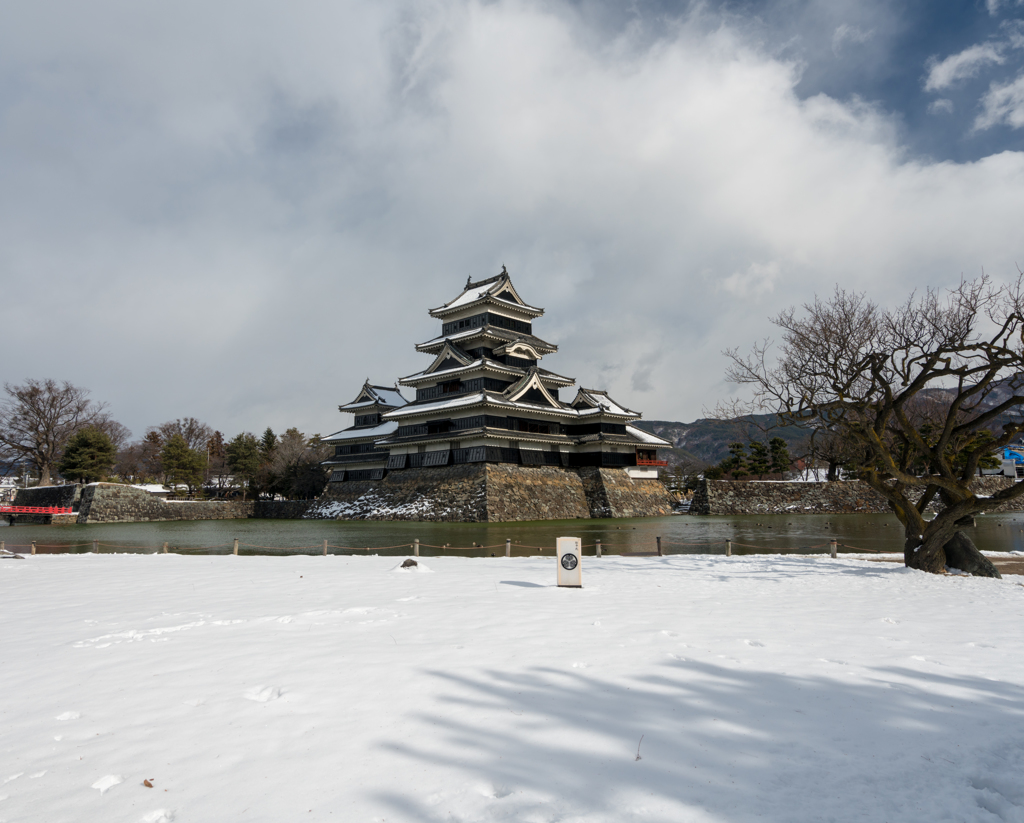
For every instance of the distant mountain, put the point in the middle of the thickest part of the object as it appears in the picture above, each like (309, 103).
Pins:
(708, 440)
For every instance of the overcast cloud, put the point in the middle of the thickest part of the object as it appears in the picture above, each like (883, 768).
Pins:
(240, 211)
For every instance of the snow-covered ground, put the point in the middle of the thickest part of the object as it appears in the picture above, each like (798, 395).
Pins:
(338, 688)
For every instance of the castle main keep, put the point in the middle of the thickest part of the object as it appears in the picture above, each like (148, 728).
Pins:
(483, 432)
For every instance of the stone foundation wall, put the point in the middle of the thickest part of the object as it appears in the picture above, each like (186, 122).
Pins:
(844, 497)
(281, 509)
(485, 492)
(442, 494)
(113, 503)
(63, 496)
(534, 493)
(613, 493)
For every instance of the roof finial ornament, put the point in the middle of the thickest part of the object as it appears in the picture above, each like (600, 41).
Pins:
(469, 280)
(504, 271)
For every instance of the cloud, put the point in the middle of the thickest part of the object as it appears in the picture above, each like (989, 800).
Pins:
(1002, 103)
(758, 279)
(940, 106)
(242, 223)
(961, 66)
(845, 33)
(994, 6)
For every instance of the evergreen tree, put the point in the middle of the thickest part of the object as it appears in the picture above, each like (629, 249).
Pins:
(759, 462)
(182, 464)
(736, 463)
(88, 456)
(780, 459)
(244, 459)
(151, 446)
(268, 442)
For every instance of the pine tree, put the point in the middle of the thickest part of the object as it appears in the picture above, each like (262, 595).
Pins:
(182, 464)
(268, 443)
(88, 456)
(759, 462)
(781, 460)
(244, 459)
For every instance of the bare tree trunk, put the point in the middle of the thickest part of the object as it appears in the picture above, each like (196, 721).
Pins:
(928, 556)
(44, 475)
(962, 554)
(958, 552)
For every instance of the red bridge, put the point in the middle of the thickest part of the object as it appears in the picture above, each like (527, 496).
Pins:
(35, 509)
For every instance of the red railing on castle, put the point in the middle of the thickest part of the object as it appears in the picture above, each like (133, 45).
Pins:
(35, 509)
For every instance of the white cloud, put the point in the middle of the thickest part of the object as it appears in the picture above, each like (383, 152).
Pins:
(846, 33)
(994, 6)
(940, 106)
(757, 280)
(968, 63)
(242, 223)
(1002, 103)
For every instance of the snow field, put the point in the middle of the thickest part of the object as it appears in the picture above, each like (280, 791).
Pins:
(780, 688)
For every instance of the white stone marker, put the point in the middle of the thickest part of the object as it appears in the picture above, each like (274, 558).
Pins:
(569, 554)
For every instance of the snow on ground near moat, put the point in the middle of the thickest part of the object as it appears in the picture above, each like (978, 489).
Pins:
(312, 688)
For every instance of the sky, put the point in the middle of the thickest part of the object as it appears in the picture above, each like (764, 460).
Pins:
(239, 212)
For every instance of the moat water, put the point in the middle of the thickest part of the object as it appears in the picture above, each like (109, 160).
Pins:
(680, 534)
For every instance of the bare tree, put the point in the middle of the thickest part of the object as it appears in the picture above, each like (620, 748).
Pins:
(195, 433)
(39, 417)
(917, 389)
(118, 433)
(294, 465)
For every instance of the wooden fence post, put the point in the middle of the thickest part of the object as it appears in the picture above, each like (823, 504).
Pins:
(325, 548)
(165, 548)
(33, 547)
(659, 546)
(236, 545)
(833, 546)
(597, 545)
(728, 548)
(96, 546)
(416, 547)
(508, 547)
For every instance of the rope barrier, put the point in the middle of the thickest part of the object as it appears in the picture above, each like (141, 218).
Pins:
(873, 551)
(631, 549)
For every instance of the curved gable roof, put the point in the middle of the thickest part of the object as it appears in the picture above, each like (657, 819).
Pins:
(497, 290)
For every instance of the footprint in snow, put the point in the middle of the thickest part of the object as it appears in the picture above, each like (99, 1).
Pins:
(668, 633)
(104, 784)
(579, 665)
(37, 775)
(263, 694)
(158, 816)
(756, 643)
(68, 716)
(13, 777)
(890, 620)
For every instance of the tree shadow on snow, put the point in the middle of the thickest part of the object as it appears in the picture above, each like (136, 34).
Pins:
(720, 743)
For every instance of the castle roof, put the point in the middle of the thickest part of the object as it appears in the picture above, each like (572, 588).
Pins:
(370, 396)
(497, 291)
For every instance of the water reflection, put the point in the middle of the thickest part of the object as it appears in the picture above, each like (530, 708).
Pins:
(685, 534)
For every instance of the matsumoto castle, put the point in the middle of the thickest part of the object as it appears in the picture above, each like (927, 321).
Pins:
(485, 401)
